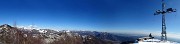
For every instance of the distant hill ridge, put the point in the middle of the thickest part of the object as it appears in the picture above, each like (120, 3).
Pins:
(11, 35)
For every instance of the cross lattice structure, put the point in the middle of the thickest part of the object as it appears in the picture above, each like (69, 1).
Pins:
(163, 12)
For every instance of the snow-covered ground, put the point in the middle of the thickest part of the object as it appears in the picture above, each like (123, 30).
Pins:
(155, 41)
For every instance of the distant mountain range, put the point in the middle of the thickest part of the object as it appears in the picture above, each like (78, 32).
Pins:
(15, 35)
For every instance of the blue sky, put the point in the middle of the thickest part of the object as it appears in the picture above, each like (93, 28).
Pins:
(100, 15)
